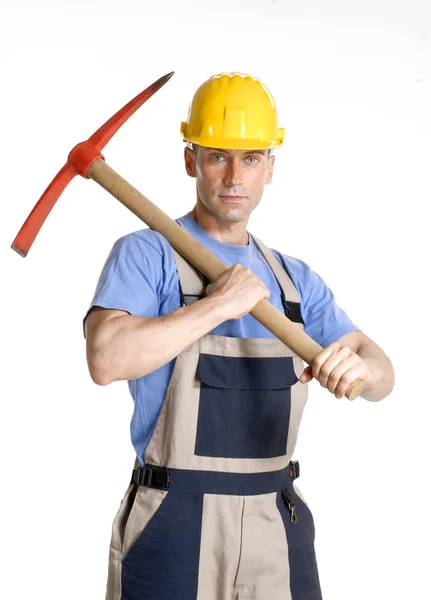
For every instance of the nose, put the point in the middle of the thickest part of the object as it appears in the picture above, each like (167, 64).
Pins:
(234, 173)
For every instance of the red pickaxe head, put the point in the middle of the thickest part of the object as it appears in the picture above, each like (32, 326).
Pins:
(78, 162)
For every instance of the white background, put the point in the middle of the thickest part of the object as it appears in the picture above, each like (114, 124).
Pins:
(350, 196)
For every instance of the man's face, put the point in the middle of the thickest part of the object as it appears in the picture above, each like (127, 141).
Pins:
(229, 183)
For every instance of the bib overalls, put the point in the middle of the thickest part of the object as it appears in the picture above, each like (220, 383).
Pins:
(214, 514)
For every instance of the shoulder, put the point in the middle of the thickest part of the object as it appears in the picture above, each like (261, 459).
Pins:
(144, 248)
(143, 241)
(141, 255)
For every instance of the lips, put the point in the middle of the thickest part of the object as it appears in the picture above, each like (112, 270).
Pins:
(232, 198)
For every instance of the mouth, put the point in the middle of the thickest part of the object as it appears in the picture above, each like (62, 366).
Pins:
(232, 198)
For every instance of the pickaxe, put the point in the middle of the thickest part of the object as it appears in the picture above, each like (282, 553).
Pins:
(86, 159)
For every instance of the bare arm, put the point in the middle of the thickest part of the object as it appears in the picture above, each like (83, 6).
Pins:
(121, 346)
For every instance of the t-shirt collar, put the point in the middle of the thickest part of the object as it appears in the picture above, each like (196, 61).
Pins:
(214, 245)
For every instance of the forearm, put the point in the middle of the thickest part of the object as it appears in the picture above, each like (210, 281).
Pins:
(129, 347)
(381, 379)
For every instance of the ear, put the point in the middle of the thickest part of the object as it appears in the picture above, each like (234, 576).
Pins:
(270, 170)
(190, 161)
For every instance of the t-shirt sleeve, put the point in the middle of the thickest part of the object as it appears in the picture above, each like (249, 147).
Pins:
(324, 320)
(130, 278)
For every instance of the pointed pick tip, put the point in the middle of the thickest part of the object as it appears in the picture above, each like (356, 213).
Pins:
(165, 78)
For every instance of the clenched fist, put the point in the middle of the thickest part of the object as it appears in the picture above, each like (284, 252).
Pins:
(239, 291)
(336, 367)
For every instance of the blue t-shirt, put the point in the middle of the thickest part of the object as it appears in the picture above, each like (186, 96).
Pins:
(140, 276)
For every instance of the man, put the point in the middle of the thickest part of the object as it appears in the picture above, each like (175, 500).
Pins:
(211, 512)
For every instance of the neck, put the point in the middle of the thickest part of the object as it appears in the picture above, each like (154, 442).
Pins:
(223, 231)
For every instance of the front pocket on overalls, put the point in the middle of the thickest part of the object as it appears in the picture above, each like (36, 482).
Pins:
(244, 406)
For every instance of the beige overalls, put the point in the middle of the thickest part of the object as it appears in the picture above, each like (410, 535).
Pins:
(213, 514)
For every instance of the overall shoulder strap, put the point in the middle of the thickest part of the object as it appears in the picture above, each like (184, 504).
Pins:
(192, 282)
(289, 294)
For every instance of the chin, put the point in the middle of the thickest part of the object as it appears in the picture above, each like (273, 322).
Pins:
(233, 215)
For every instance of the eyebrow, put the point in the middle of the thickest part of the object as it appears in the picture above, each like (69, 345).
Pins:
(244, 151)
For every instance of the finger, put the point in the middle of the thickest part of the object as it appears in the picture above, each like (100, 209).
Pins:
(338, 375)
(337, 354)
(210, 288)
(320, 359)
(344, 382)
(323, 371)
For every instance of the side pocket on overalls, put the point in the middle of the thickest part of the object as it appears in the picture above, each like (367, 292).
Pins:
(143, 510)
(130, 501)
(298, 508)
(121, 518)
(300, 535)
(290, 505)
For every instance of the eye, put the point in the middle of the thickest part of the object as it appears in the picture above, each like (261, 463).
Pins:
(216, 157)
(252, 158)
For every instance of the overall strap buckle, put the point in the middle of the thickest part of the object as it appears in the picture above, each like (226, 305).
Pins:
(151, 476)
(294, 469)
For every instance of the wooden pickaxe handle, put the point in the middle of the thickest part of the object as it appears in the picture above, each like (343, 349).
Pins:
(204, 260)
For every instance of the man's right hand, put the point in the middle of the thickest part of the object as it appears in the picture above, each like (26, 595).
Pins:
(239, 291)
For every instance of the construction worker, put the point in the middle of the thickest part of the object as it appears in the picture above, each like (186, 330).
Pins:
(211, 512)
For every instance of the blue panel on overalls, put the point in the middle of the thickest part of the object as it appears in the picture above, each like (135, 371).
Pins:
(164, 562)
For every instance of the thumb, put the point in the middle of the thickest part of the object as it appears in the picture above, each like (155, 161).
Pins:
(306, 375)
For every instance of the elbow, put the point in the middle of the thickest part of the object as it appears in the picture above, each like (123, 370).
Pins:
(98, 359)
(390, 380)
(99, 378)
(97, 367)
(98, 375)
(384, 386)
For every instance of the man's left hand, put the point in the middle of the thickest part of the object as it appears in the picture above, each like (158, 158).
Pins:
(336, 367)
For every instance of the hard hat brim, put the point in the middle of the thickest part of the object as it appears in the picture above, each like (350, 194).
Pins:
(234, 143)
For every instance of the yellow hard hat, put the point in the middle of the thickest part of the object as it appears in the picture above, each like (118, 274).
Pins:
(233, 111)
